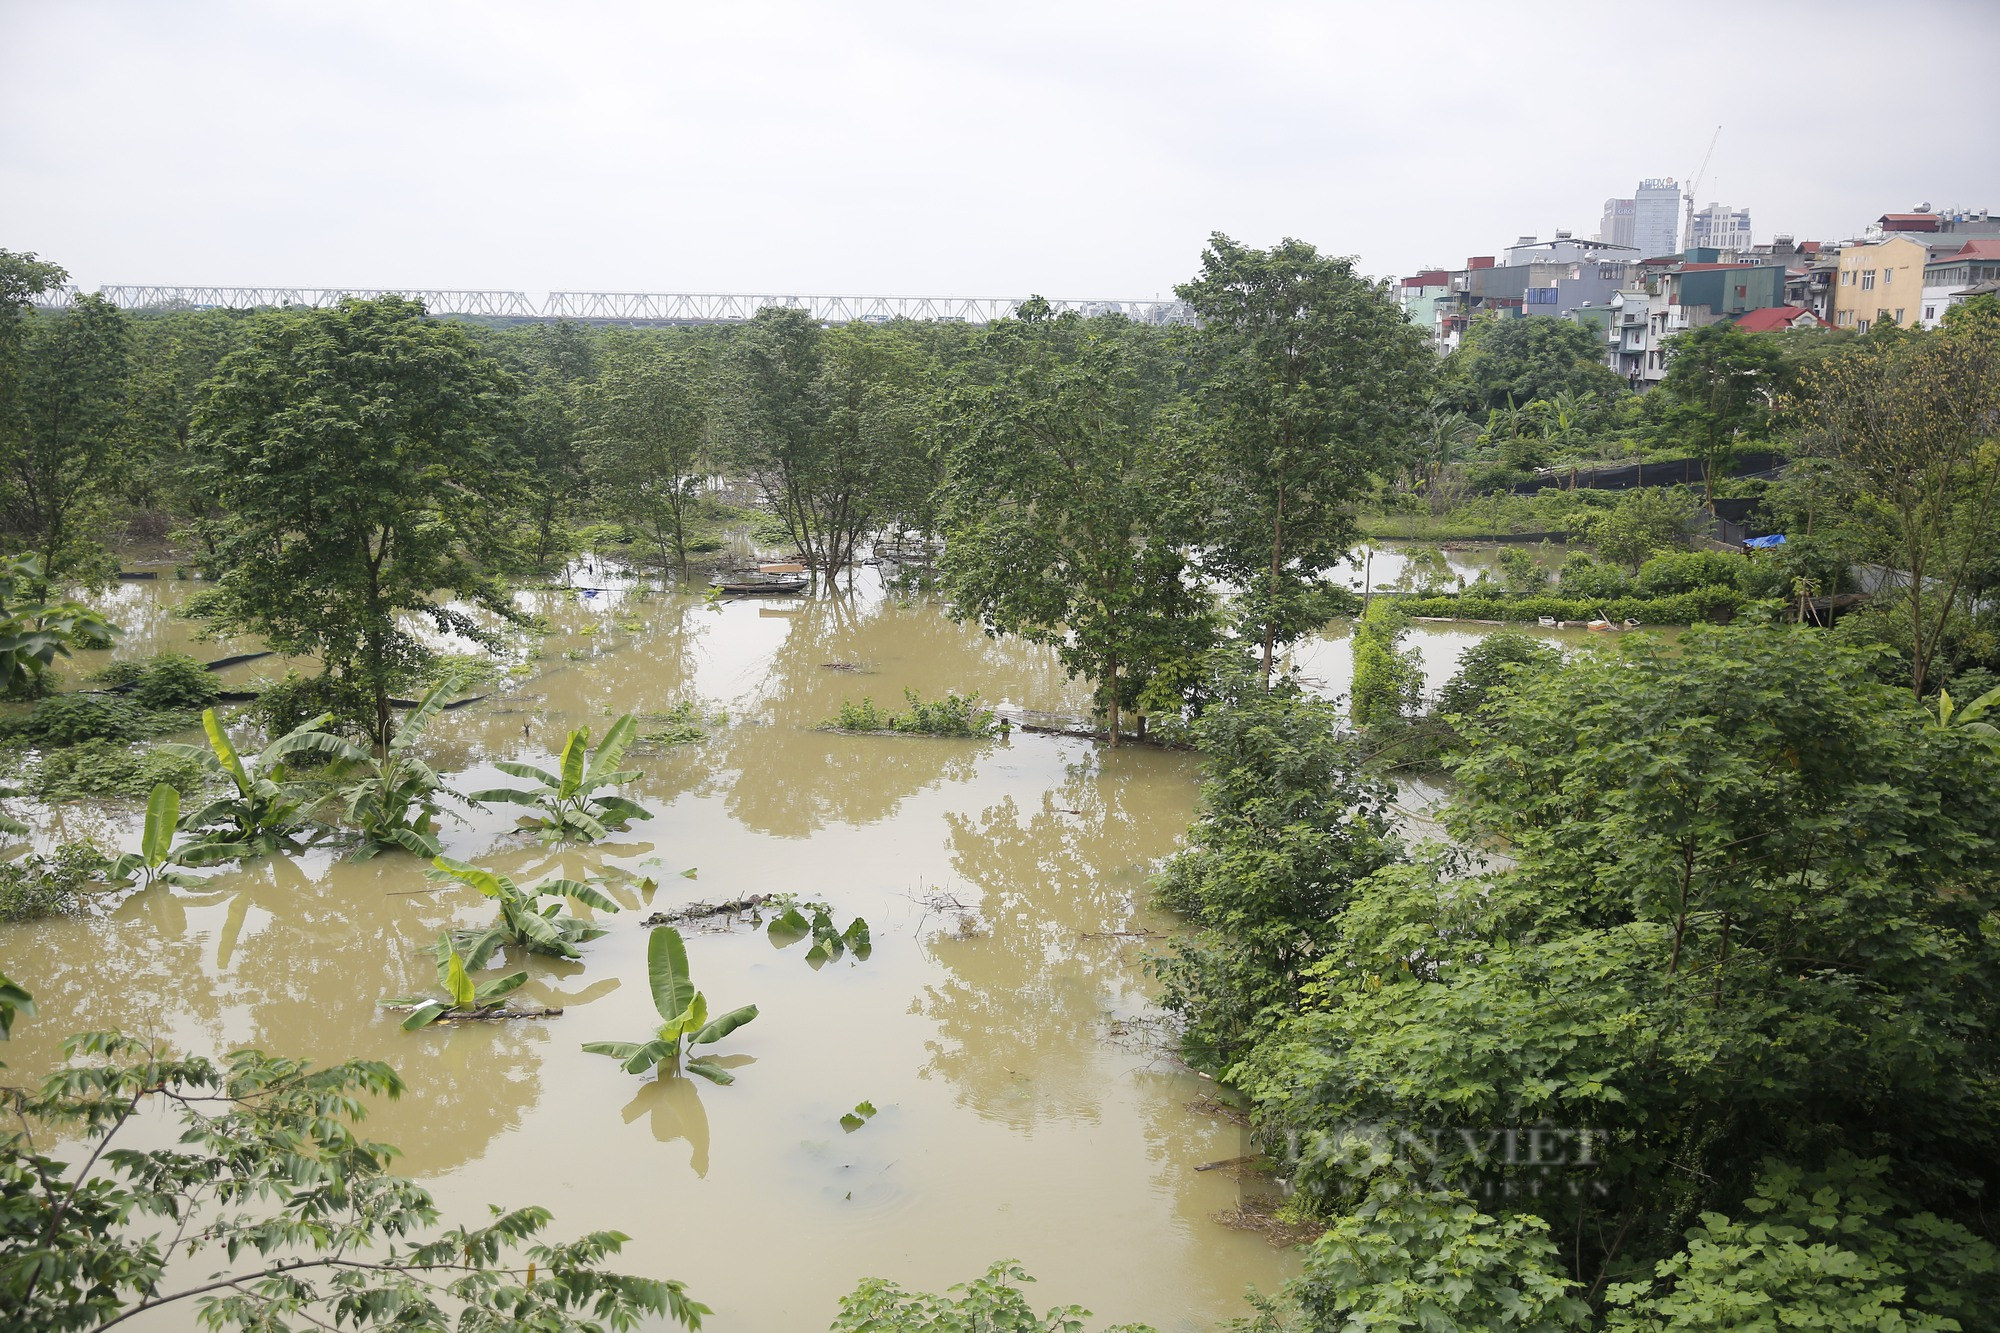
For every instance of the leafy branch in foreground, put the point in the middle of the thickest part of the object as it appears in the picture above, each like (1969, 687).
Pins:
(685, 1010)
(568, 800)
(33, 633)
(269, 1178)
(525, 921)
(991, 1304)
(462, 997)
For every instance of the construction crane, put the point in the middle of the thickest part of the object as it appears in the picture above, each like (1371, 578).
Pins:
(1687, 226)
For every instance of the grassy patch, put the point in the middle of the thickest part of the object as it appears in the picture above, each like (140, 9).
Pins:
(954, 715)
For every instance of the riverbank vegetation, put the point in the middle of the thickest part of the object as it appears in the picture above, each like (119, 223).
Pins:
(1688, 1019)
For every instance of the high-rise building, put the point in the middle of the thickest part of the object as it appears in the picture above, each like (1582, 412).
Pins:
(1721, 227)
(1656, 221)
(1620, 221)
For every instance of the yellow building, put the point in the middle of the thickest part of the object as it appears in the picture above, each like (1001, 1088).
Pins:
(1880, 280)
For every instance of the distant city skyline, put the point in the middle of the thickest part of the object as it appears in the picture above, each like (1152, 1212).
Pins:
(1080, 149)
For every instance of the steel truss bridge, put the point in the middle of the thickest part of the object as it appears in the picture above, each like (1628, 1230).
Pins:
(627, 307)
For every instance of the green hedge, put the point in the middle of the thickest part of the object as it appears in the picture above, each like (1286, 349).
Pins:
(1711, 603)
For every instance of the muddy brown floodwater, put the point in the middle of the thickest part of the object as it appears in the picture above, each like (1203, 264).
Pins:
(1002, 1026)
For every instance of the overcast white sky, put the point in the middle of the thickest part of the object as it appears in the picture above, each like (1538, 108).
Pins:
(1079, 149)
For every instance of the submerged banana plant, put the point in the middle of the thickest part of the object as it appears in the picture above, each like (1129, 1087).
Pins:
(463, 998)
(792, 924)
(568, 799)
(525, 920)
(393, 800)
(685, 1013)
(267, 809)
(151, 864)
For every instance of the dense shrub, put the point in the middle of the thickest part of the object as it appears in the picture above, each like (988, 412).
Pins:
(38, 886)
(1583, 576)
(953, 715)
(1489, 664)
(175, 681)
(1388, 678)
(66, 719)
(1703, 604)
(298, 699)
(1684, 571)
(111, 768)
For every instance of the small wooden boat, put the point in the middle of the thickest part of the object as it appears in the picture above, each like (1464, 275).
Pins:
(1601, 626)
(759, 585)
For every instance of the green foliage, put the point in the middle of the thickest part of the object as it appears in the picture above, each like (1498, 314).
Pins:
(113, 768)
(37, 885)
(686, 723)
(1820, 1250)
(526, 922)
(151, 864)
(569, 799)
(1684, 571)
(1744, 915)
(392, 798)
(684, 1011)
(62, 439)
(14, 1003)
(1288, 823)
(463, 998)
(175, 682)
(863, 1112)
(1424, 1259)
(1688, 608)
(68, 719)
(993, 1303)
(1521, 572)
(1720, 381)
(264, 809)
(1490, 664)
(34, 632)
(1644, 522)
(298, 699)
(1506, 362)
(1582, 577)
(360, 455)
(794, 919)
(1068, 500)
(646, 441)
(1310, 381)
(957, 715)
(1388, 678)
(290, 1198)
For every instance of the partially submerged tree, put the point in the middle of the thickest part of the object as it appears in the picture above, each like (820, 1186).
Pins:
(362, 455)
(1312, 380)
(1068, 501)
(647, 440)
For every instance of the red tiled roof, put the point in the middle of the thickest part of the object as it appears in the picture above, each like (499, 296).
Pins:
(1771, 319)
(1983, 248)
(1909, 221)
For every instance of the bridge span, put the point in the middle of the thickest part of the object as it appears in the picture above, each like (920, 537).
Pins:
(626, 307)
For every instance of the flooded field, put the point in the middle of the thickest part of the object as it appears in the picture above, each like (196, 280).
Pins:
(1027, 1107)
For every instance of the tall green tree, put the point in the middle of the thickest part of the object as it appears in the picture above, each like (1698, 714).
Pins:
(1067, 502)
(828, 422)
(1311, 381)
(61, 453)
(173, 355)
(1721, 381)
(362, 457)
(646, 440)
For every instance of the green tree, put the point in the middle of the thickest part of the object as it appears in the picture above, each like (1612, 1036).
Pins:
(294, 1215)
(1742, 919)
(1508, 361)
(647, 441)
(1289, 822)
(60, 456)
(1311, 382)
(1908, 430)
(361, 455)
(1388, 678)
(1720, 380)
(828, 422)
(173, 355)
(1064, 501)
(1645, 521)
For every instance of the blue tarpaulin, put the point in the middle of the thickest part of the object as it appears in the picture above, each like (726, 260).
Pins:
(1764, 543)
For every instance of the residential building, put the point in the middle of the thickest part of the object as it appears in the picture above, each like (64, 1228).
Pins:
(1778, 319)
(1721, 227)
(1421, 294)
(1656, 221)
(1881, 279)
(1971, 271)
